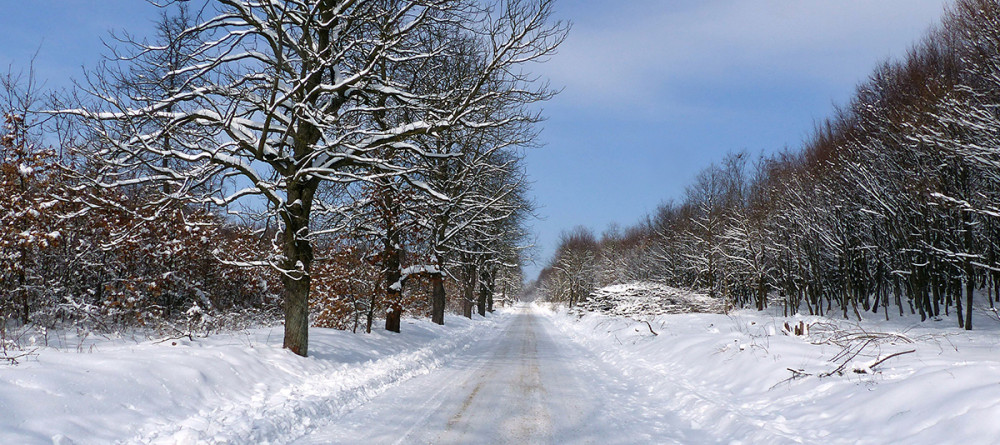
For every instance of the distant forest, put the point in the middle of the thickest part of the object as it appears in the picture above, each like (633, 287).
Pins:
(892, 204)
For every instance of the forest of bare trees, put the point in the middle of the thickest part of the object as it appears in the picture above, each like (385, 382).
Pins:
(334, 162)
(890, 206)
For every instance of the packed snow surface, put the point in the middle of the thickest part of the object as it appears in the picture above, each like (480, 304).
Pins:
(234, 388)
(532, 374)
(529, 386)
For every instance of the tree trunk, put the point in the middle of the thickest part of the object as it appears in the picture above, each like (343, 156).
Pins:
(491, 285)
(994, 289)
(469, 289)
(467, 306)
(394, 288)
(370, 313)
(438, 298)
(970, 287)
(25, 308)
(391, 259)
(297, 315)
(956, 289)
(484, 291)
(761, 294)
(298, 254)
(936, 290)
(503, 300)
(298, 261)
(393, 317)
(898, 294)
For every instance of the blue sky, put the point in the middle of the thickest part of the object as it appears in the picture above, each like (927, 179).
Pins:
(653, 90)
(66, 34)
(656, 90)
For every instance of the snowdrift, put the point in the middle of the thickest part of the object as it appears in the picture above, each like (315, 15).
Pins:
(647, 298)
(747, 378)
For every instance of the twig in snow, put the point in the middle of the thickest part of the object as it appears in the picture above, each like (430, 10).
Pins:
(178, 335)
(650, 328)
(844, 353)
(879, 361)
(13, 359)
(796, 374)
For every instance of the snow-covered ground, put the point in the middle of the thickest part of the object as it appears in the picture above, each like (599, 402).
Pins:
(532, 374)
(732, 376)
(236, 388)
(530, 386)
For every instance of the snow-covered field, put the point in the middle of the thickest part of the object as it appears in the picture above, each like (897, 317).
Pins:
(533, 374)
(237, 388)
(732, 375)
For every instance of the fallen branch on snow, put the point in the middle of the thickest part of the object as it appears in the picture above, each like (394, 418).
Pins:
(12, 359)
(880, 361)
(866, 369)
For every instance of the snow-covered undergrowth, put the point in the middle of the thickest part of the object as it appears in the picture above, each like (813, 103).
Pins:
(743, 379)
(232, 388)
(647, 298)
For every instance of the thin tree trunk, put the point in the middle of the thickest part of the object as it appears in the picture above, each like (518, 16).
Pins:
(370, 314)
(957, 290)
(898, 293)
(936, 289)
(885, 300)
(989, 290)
(970, 287)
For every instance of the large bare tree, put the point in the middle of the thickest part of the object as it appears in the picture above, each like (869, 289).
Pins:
(291, 94)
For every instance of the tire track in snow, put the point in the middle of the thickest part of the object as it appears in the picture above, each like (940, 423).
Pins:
(283, 414)
(530, 385)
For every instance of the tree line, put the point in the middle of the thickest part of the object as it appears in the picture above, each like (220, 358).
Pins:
(336, 161)
(891, 204)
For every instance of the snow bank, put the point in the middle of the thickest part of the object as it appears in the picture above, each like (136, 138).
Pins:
(236, 388)
(647, 298)
(743, 380)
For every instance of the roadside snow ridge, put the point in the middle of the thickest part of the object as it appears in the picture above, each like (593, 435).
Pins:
(645, 298)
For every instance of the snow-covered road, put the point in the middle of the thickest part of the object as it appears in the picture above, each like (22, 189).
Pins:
(530, 374)
(531, 385)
